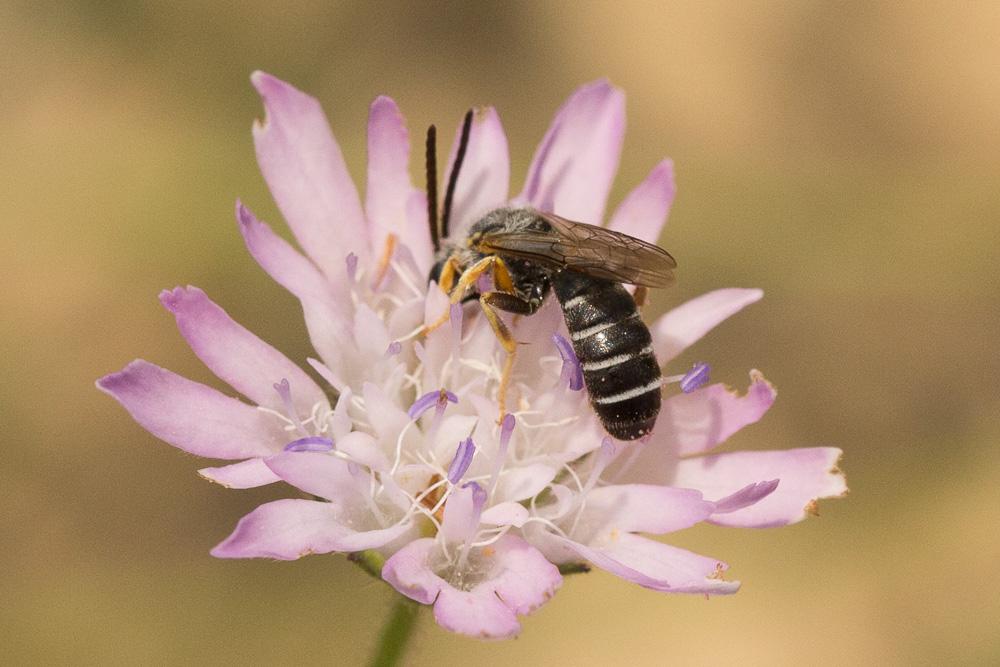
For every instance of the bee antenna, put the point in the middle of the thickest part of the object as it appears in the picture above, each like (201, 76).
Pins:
(449, 195)
(432, 187)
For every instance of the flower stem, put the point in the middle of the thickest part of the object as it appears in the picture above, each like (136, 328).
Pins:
(396, 633)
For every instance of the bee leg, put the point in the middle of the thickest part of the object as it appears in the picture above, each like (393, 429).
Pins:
(465, 281)
(448, 273)
(640, 296)
(492, 302)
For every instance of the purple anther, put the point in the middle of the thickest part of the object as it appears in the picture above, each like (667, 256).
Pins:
(285, 392)
(478, 498)
(506, 429)
(439, 398)
(694, 378)
(395, 347)
(313, 443)
(463, 459)
(571, 370)
(352, 267)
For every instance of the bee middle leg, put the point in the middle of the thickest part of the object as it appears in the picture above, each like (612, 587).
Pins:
(492, 303)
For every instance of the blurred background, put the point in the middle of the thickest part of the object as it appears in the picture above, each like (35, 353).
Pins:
(842, 157)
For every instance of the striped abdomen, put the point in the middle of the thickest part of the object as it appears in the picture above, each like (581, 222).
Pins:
(615, 350)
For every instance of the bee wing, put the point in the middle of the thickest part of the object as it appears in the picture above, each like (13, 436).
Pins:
(595, 251)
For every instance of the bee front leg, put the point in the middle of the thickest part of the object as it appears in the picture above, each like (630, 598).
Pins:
(467, 279)
(492, 302)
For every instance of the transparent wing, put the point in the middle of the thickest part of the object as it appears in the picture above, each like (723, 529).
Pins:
(595, 251)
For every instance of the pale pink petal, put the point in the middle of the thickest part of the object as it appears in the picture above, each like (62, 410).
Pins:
(506, 514)
(484, 181)
(389, 190)
(524, 580)
(805, 475)
(284, 263)
(247, 474)
(235, 355)
(387, 418)
(569, 550)
(476, 613)
(644, 211)
(681, 327)
(691, 424)
(408, 571)
(325, 304)
(574, 166)
(305, 170)
(522, 482)
(363, 448)
(418, 236)
(675, 570)
(645, 508)
(696, 422)
(192, 416)
(290, 529)
(317, 473)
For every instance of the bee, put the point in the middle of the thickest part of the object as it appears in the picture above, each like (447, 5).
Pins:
(530, 254)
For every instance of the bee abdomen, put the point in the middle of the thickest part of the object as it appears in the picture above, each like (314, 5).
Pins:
(615, 352)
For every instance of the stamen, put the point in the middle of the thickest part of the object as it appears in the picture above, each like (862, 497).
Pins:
(438, 399)
(463, 459)
(478, 503)
(696, 377)
(571, 370)
(285, 392)
(313, 443)
(506, 429)
(395, 347)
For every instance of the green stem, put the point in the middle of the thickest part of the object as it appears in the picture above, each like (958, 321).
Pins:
(396, 633)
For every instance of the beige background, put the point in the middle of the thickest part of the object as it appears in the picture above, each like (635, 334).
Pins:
(843, 157)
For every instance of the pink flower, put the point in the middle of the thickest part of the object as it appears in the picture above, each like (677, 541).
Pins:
(408, 460)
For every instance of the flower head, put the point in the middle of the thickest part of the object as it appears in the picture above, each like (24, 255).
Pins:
(409, 460)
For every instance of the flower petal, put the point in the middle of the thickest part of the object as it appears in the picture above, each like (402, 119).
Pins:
(691, 424)
(574, 166)
(408, 572)
(389, 188)
(305, 170)
(696, 422)
(805, 475)
(644, 211)
(192, 416)
(235, 355)
(675, 570)
(506, 514)
(247, 474)
(484, 181)
(645, 508)
(681, 327)
(477, 613)
(290, 529)
(519, 580)
(324, 303)
(316, 473)
(525, 580)
(282, 262)
(523, 482)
